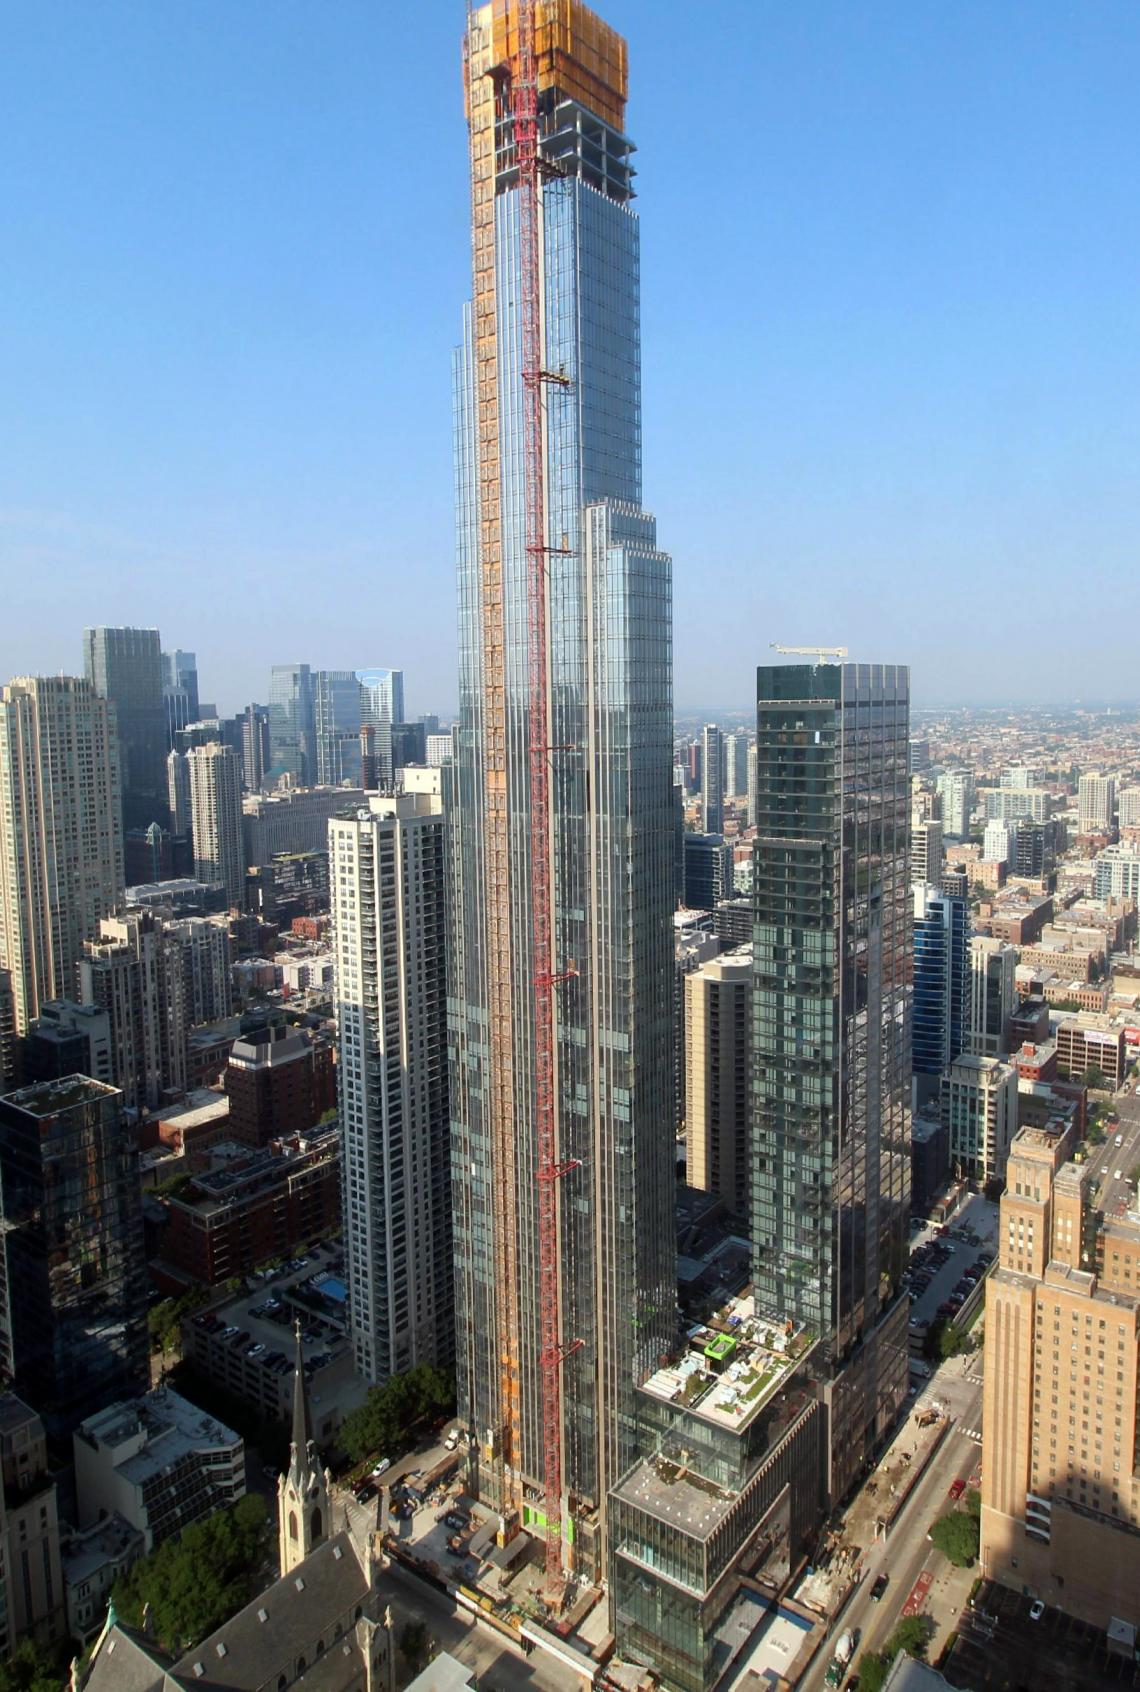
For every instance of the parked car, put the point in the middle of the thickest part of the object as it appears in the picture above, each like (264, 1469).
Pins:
(1036, 1609)
(382, 1466)
(957, 1488)
(881, 1583)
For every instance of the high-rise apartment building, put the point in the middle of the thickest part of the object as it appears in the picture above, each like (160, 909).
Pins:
(718, 1009)
(389, 913)
(178, 792)
(256, 757)
(133, 972)
(1011, 804)
(1118, 874)
(752, 785)
(707, 870)
(7, 1032)
(993, 995)
(1096, 803)
(1061, 1460)
(926, 851)
(73, 1287)
(125, 667)
(830, 1034)
(956, 790)
(941, 1004)
(1128, 801)
(712, 780)
(736, 765)
(605, 827)
(292, 753)
(61, 833)
(997, 841)
(216, 814)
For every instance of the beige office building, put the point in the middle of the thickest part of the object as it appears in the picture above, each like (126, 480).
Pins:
(216, 814)
(1060, 1480)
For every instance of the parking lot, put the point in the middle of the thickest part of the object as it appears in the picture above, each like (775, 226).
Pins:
(999, 1646)
(947, 1262)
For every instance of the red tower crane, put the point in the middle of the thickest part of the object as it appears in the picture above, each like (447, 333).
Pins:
(524, 111)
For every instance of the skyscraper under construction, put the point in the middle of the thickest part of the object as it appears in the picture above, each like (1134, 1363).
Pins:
(560, 803)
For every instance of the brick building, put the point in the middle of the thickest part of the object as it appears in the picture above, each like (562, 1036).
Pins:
(280, 1082)
(254, 1205)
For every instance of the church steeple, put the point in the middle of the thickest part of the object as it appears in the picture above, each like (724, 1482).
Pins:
(303, 1492)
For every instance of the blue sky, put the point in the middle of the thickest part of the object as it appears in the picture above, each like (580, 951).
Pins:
(891, 297)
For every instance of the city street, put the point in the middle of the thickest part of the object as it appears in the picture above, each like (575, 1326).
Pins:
(1115, 1195)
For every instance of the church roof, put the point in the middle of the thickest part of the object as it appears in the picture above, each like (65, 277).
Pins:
(264, 1639)
(123, 1663)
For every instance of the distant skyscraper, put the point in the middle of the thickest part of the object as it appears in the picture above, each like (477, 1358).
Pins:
(736, 766)
(179, 691)
(255, 753)
(712, 780)
(337, 704)
(125, 666)
(956, 790)
(1129, 801)
(73, 1335)
(752, 785)
(606, 645)
(382, 707)
(61, 840)
(940, 1017)
(1096, 802)
(831, 1047)
(292, 751)
(216, 811)
(178, 792)
(389, 913)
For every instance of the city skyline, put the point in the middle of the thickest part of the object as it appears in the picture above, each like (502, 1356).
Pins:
(927, 377)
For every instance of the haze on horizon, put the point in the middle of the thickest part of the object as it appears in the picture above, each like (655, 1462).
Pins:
(891, 295)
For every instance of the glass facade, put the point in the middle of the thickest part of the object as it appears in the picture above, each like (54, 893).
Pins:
(941, 980)
(125, 666)
(831, 1031)
(337, 716)
(609, 666)
(73, 1299)
(291, 724)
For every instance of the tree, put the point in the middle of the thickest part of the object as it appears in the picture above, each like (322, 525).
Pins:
(911, 1634)
(1094, 1076)
(31, 1668)
(195, 1582)
(392, 1415)
(415, 1645)
(956, 1536)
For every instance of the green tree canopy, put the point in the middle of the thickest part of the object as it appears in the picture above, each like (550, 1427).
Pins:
(194, 1582)
(32, 1668)
(956, 1536)
(392, 1415)
(911, 1634)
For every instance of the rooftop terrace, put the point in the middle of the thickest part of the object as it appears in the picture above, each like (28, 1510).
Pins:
(733, 1366)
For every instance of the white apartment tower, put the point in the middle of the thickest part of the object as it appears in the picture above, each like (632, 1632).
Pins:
(215, 808)
(61, 841)
(926, 852)
(389, 916)
(956, 790)
(1096, 801)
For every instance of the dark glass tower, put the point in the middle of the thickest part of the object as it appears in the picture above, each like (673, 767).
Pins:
(610, 812)
(125, 666)
(73, 1289)
(831, 1035)
(941, 985)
